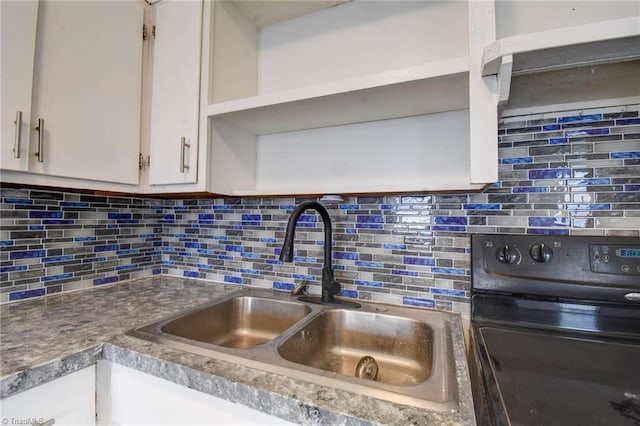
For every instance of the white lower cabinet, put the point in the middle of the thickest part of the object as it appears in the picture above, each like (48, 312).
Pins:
(127, 396)
(69, 400)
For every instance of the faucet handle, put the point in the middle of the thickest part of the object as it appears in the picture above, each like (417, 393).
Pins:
(334, 287)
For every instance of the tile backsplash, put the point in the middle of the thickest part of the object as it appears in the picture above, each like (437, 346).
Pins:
(574, 172)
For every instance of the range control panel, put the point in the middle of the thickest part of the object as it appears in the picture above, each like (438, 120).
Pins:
(585, 267)
(615, 259)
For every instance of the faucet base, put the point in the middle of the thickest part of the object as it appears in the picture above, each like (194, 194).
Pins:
(338, 303)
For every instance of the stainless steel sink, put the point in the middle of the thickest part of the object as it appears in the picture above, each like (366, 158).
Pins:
(398, 354)
(240, 322)
(399, 351)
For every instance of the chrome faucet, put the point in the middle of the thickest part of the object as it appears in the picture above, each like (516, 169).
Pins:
(329, 285)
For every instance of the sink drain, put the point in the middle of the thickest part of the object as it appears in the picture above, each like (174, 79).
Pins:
(367, 368)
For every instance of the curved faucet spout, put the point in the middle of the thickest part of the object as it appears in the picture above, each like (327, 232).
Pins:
(329, 285)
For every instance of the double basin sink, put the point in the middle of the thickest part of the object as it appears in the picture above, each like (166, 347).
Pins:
(398, 354)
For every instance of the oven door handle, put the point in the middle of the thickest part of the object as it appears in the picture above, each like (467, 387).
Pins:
(632, 297)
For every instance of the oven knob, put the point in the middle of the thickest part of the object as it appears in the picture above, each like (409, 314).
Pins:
(508, 254)
(541, 253)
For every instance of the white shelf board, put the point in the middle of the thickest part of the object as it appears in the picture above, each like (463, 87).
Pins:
(424, 89)
(603, 42)
(263, 13)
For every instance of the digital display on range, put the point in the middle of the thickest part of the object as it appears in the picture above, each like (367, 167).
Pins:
(628, 252)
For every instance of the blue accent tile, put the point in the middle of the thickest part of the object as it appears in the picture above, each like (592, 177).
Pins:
(127, 252)
(598, 206)
(549, 173)
(120, 216)
(17, 201)
(106, 247)
(221, 207)
(167, 248)
(268, 240)
(367, 283)
(206, 252)
(14, 268)
(339, 267)
(629, 154)
(205, 266)
(36, 227)
(274, 262)
(369, 264)
(106, 280)
(590, 181)
(232, 280)
(481, 206)
(417, 301)
(305, 259)
(278, 285)
(369, 219)
(82, 239)
(191, 274)
(303, 277)
(167, 262)
(390, 246)
(287, 207)
(77, 204)
(234, 248)
(26, 294)
(94, 259)
(352, 294)
(529, 189)
(156, 271)
(220, 237)
(6, 243)
(349, 207)
(420, 261)
(451, 220)
(547, 231)
(351, 231)
(126, 267)
(404, 273)
(558, 141)
(369, 226)
(448, 292)
(627, 121)
(26, 254)
(180, 208)
(550, 127)
(448, 271)
(191, 244)
(632, 187)
(249, 271)
(575, 118)
(449, 228)
(53, 259)
(225, 257)
(37, 214)
(250, 255)
(349, 255)
(517, 160)
(251, 219)
(549, 221)
(586, 132)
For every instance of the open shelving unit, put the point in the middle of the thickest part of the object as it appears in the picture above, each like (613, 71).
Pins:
(347, 97)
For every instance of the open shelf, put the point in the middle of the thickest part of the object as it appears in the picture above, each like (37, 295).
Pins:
(430, 88)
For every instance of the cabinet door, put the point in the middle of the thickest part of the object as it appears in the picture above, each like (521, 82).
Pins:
(18, 38)
(173, 144)
(87, 88)
(69, 400)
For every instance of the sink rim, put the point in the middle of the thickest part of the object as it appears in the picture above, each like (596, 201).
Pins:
(265, 357)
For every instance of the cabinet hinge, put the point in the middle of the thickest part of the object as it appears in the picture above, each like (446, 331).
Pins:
(153, 32)
(144, 32)
(142, 163)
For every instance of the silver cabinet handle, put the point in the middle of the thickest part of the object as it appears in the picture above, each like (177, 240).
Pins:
(16, 143)
(40, 129)
(49, 422)
(183, 145)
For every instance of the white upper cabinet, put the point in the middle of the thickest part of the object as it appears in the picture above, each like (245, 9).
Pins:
(87, 90)
(18, 38)
(358, 96)
(175, 93)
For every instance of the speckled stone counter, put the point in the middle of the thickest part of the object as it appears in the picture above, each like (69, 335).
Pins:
(41, 340)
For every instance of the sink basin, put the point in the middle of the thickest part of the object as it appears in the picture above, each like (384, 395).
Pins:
(399, 354)
(338, 340)
(241, 322)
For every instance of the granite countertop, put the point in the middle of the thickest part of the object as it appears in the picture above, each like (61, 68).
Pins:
(43, 339)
